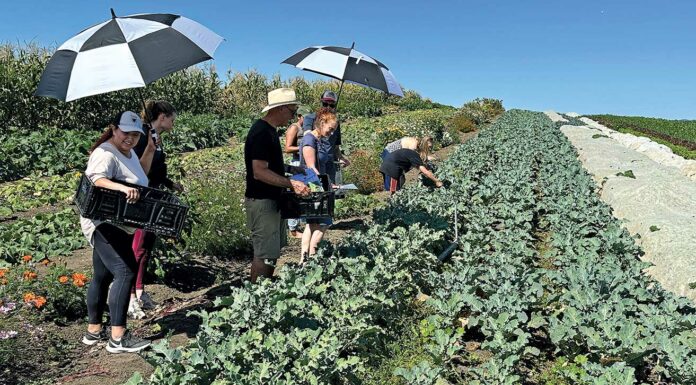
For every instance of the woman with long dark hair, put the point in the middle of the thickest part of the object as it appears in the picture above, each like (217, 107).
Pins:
(112, 160)
(160, 116)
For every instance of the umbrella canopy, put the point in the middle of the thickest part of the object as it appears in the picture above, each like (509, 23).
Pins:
(125, 52)
(346, 64)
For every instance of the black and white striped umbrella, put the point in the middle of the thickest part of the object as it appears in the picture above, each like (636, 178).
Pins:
(125, 52)
(346, 64)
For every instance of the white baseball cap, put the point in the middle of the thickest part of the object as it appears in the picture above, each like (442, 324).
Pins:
(129, 121)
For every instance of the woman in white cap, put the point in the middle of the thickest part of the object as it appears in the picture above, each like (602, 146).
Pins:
(112, 159)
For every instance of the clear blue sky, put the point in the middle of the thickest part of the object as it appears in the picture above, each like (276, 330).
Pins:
(623, 57)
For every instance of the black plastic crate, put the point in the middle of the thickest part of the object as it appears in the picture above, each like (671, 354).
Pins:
(156, 211)
(318, 205)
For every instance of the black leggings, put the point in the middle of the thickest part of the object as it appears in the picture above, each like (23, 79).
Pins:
(113, 260)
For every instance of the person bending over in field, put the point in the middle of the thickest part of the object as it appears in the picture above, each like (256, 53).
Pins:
(398, 163)
(406, 141)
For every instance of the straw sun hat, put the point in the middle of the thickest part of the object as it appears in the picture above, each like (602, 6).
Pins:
(281, 97)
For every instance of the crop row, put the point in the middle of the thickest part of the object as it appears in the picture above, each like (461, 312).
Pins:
(33, 192)
(589, 302)
(681, 132)
(45, 235)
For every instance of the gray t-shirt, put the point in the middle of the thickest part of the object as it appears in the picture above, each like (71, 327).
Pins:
(393, 146)
(108, 162)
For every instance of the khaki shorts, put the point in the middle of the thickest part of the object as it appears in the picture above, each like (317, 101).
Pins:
(268, 230)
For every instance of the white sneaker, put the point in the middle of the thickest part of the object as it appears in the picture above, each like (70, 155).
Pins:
(146, 302)
(134, 310)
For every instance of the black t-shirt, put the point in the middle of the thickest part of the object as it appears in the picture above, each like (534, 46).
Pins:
(263, 143)
(158, 169)
(400, 162)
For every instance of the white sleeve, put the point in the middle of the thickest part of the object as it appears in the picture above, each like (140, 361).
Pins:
(102, 164)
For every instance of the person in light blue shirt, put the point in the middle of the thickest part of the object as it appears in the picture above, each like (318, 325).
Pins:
(312, 159)
(330, 148)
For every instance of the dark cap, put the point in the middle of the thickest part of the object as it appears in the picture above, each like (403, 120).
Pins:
(328, 96)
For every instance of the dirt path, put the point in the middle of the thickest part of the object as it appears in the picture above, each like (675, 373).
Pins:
(656, 201)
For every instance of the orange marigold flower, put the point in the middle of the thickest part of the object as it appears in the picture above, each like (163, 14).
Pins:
(45, 261)
(26, 258)
(79, 279)
(29, 297)
(29, 275)
(3, 272)
(63, 279)
(39, 302)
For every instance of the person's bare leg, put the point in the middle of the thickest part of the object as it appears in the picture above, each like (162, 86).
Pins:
(94, 328)
(306, 238)
(117, 332)
(259, 268)
(317, 235)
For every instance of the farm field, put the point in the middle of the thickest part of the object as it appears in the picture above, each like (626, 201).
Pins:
(679, 135)
(45, 264)
(522, 300)
(544, 287)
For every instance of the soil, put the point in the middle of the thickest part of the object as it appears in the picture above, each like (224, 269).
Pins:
(48, 209)
(192, 285)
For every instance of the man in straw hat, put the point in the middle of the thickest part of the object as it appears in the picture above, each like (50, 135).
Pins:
(265, 180)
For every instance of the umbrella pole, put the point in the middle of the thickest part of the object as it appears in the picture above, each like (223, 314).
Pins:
(340, 89)
(147, 114)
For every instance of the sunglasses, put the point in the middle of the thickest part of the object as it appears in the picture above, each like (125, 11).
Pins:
(293, 111)
(325, 104)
